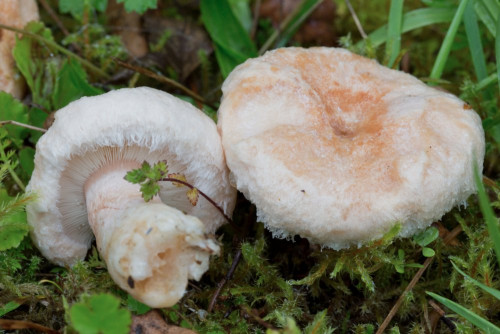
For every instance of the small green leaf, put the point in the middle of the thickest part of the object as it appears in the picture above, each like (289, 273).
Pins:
(11, 234)
(13, 223)
(72, 84)
(26, 159)
(401, 254)
(28, 54)
(139, 6)
(428, 252)
(136, 306)
(10, 306)
(13, 110)
(76, 7)
(149, 190)
(426, 237)
(100, 314)
(400, 268)
(135, 176)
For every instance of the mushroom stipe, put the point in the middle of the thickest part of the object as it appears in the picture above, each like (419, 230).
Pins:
(150, 249)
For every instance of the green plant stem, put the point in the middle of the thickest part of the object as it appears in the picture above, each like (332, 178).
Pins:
(444, 51)
(59, 48)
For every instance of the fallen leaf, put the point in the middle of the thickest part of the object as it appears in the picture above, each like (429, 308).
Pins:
(153, 323)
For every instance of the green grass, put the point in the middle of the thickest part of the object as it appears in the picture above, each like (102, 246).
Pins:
(279, 286)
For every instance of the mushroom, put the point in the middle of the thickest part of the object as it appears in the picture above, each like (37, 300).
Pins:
(151, 249)
(15, 13)
(338, 149)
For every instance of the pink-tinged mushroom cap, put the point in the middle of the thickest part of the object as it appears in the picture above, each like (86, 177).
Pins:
(14, 13)
(336, 148)
(80, 164)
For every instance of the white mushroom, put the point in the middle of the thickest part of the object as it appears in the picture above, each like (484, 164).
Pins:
(15, 13)
(151, 249)
(337, 148)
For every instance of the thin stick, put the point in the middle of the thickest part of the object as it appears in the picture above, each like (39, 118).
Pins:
(229, 275)
(23, 125)
(59, 48)
(257, 319)
(356, 20)
(229, 220)
(276, 33)
(19, 324)
(255, 18)
(413, 282)
(54, 17)
(445, 319)
(164, 79)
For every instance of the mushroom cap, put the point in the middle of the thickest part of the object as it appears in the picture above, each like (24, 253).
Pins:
(15, 13)
(134, 125)
(336, 148)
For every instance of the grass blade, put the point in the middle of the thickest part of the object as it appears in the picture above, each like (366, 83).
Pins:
(444, 51)
(474, 40)
(413, 20)
(232, 43)
(495, 293)
(488, 18)
(476, 320)
(290, 24)
(303, 13)
(497, 50)
(488, 214)
(393, 45)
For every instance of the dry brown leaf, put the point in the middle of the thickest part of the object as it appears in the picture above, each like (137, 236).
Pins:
(153, 323)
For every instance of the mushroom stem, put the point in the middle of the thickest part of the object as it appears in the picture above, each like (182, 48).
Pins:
(151, 249)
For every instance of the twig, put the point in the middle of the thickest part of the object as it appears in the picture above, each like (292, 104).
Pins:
(267, 44)
(255, 21)
(23, 125)
(413, 282)
(229, 275)
(54, 17)
(190, 186)
(59, 48)
(445, 319)
(255, 317)
(356, 20)
(164, 79)
(19, 324)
